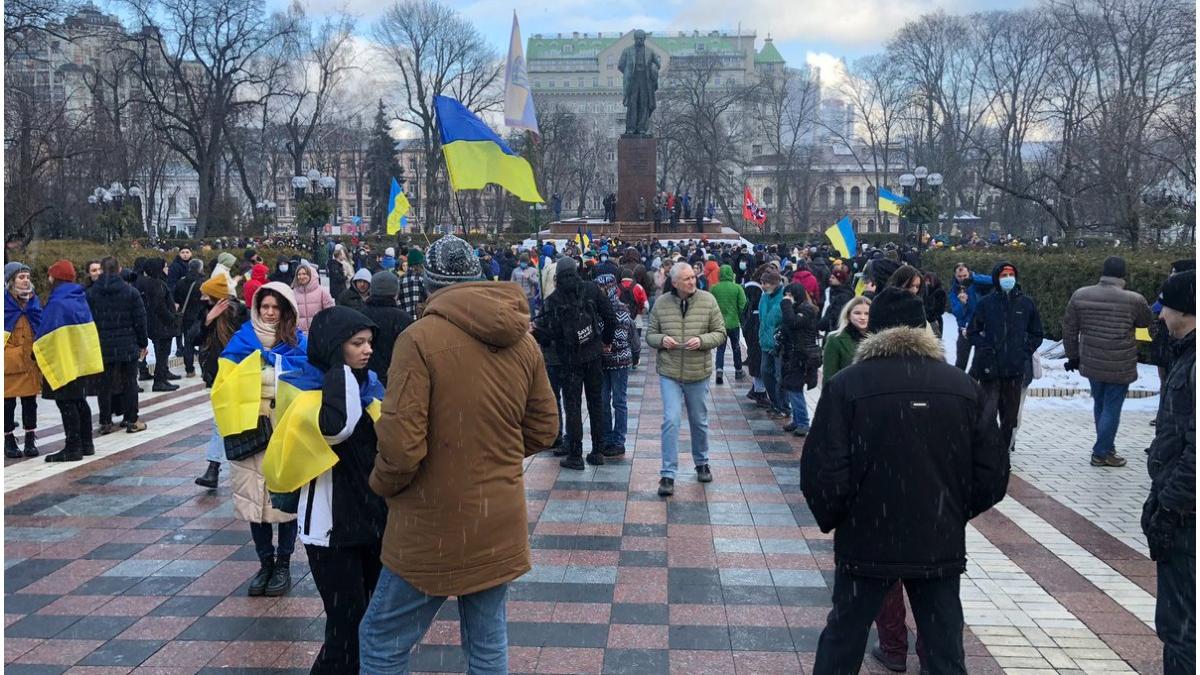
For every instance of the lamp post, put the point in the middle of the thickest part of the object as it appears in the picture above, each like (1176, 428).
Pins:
(314, 189)
(110, 200)
(264, 212)
(921, 186)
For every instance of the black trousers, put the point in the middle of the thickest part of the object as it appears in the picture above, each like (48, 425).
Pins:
(584, 380)
(1003, 397)
(121, 379)
(28, 413)
(856, 601)
(1175, 614)
(187, 349)
(558, 376)
(77, 423)
(162, 352)
(962, 351)
(345, 578)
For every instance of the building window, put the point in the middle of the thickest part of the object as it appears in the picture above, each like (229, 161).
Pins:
(193, 206)
(566, 84)
(581, 85)
(823, 197)
(170, 210)
(871, 201)
(870, 225)
(537, 84)
(839, 197)
(855, 197)
(595, 82)
(886, 225)
(756, 150)
(768, 196)
(550, 84)
(610, 82)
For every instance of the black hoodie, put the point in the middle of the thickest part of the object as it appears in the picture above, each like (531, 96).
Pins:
(1006, 330)
(161, 320)
(575, 305)
(120, 318)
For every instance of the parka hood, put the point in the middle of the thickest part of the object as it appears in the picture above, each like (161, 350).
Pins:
(727, 273)
(900, 341)
(996, 273)
(495, 314)
(329, 331)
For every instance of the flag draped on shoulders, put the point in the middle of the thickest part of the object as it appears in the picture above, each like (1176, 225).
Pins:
(298, 451)
(237, 390)
(13, 311)
(65, 342)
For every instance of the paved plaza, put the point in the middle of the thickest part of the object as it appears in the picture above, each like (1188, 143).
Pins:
(120, 564)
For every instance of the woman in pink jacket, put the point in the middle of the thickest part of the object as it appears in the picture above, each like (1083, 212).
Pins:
(311, 296)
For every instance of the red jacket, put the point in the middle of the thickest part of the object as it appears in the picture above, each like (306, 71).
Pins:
(639, 296)
(258, 277)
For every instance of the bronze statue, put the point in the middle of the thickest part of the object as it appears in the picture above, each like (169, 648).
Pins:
(640, 67)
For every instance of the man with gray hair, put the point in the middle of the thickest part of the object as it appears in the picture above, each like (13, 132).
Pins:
(685, 326)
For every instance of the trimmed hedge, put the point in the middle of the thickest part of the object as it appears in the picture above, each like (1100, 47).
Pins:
(1050, 276)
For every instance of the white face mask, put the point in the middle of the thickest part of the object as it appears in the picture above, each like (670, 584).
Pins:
(283, 267)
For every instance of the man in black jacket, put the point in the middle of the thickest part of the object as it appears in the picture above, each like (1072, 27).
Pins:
(568, 324)
(120, 318)
(389, 319)
(191, 312)
(162, 325)
(1169, 515)
(901, 455)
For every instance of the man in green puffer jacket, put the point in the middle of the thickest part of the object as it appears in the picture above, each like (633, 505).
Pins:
(685, 326)
(731, 298)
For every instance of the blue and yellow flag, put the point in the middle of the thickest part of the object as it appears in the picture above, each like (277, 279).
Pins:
(66, 343)
(584, 240)
(889, 202)
(475, 155)
(298, 451)
(13, 311)
(841, 235)
(398, 207)
(237, 390)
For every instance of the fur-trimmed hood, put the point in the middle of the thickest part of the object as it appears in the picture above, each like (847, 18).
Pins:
(900, 341)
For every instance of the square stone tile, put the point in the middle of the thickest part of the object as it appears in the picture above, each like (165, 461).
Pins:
(125, 653)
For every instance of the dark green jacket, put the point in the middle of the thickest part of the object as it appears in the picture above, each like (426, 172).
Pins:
(731, 298)
(839, 352)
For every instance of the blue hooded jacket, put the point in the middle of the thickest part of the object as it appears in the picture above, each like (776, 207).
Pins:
(964, 313)
(770, 316)
(1006, 330)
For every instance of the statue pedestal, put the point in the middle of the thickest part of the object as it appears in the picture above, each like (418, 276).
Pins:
(637, 162)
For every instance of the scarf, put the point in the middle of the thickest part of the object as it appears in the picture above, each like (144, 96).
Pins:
(263, 330)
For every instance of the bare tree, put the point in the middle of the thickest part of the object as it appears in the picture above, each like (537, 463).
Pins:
(787, 111)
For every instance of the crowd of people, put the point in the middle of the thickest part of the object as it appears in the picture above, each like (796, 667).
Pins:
(382, 418)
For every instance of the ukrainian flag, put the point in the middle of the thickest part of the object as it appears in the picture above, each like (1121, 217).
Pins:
(475, 155)
(398, 206)
(13, 313)
(298, 451)
(890, 202)
(237, 390)
(841, 235)
(66, 343)
(584, 240)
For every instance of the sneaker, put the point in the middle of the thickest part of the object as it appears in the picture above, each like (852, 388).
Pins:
(896, 665)
(135, 427)
(704, 474)
(189, 374)
(574, 463)
(106, 429)
(739, 375)
(1111, 459)
(763, 402)
(780, 414)
(666, 487)
(800, 431)
(595, 458)
(752, 395)
(720, 377)
(789, 427)
(613, 452)
(173, 376)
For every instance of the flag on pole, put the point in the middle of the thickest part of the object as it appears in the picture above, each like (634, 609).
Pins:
(890, 202)
(841, 235)
(584, 240)
(475, 155)
(398, 207)
(752, 212)
(518, 99)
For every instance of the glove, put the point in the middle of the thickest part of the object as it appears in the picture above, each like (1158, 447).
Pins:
(1161, 533)
(1072, 364)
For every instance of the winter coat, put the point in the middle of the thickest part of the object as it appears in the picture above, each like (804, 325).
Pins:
(350, 298)
(621, 353)
(902, 453)
(1172, 455)
(551, 329)
(839, 350)
(209, 355)
(258, 277)
(22, 377)
(1098, 330)
(390, 322)
(712, 274)
(338, 508)
(731, 298)
(800, 351)
(338, 278)
(769, 318)
(120, 317)
(750, 325)
(1006, 330)
(468, 400)
(526, 278)
(187, 297)
(176, 272)
(832, 311)
(311, 298)
(963, 313)
(162, 322)
(935, 304)
(698, 316)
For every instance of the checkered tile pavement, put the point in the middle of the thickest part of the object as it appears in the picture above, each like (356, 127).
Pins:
(123, 565)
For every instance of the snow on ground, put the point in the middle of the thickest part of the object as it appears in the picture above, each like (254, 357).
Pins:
(1054, 375)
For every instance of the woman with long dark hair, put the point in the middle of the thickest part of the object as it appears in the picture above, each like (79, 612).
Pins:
(800, 352)
(758, 390)
(223, 315)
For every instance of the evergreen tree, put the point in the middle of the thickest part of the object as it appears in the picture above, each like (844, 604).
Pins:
(382, 166)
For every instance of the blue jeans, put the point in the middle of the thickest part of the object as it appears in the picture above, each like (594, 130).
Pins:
(215, 451)
(1107, 400)
(399, 615)
(772, 372)
(675, 395)
(733, 337)
(799, 408)
(615, 402)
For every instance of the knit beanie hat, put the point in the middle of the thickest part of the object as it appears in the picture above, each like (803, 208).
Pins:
(566, 265)
(62, 270)
(363, 274)
(606, 280)
(450, 260)
(195, 265)
(227, 259)
(1183, 265)
(12, 269)
(390, 251)
(1114, 266)
(384, 284)
(882, 269)
(415, 257)
(1179, 292)
(217, 288)
(894, 307)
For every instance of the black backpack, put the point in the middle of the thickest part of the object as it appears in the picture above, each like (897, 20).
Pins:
(626, 296)
(579, 323)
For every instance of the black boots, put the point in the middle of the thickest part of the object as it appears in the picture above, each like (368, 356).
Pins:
(258, 582)
(164, 386)
(209, 479)
(71, 453)
(30, 449)
(87, 447)
(281, 577)
(11, 450)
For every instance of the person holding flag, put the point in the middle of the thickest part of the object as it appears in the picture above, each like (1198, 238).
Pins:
(22, 378)
(398, 207)
(67, 347)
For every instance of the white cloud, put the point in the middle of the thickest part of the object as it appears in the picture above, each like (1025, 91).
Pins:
(833, 68)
